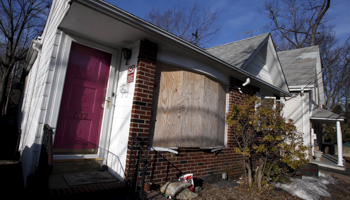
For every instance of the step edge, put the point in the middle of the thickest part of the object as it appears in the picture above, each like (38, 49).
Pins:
(76, 160)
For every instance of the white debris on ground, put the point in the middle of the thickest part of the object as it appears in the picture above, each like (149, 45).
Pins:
(309, 188)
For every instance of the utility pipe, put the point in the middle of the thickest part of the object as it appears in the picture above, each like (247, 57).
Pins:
(303, 111)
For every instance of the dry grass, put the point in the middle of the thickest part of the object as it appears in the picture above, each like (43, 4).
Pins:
(339, 192)
(211, 193)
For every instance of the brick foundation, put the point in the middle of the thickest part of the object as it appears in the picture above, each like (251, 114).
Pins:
(166, 166)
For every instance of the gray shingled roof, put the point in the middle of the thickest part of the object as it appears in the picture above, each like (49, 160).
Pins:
(236, 53)
(299, 65)
(320, 113)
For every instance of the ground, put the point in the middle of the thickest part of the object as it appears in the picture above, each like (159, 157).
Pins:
(12, 182)
(339, 191)
(212, 193)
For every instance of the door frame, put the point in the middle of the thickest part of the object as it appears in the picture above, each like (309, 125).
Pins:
(59, 74)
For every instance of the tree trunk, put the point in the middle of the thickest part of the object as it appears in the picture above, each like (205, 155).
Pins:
(260, 171)
(321, 13)
(259, 176)
(3, 84)
(249, 170)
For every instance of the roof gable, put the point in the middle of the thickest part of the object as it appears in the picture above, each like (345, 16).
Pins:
(255, 55)
(257, 65)
(237, 53)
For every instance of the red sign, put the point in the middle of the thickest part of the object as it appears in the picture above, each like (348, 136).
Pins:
(131, 72)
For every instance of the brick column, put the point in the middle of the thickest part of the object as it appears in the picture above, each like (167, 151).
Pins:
(142, 102)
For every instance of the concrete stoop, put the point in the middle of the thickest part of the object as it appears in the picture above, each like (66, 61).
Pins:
(330, 161)
(76, 165)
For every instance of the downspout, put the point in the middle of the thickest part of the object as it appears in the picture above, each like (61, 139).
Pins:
(303, 111)
(244, 84)
(37, 45)
(312, 125)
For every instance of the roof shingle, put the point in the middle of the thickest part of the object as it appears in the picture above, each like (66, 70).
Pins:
(299, 65)
(236, 53)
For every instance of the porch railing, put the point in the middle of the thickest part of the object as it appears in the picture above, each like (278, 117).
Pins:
(140, 156)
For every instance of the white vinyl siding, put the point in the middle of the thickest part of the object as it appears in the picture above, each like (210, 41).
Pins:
(36, 99)
(257, 67)
(294, 110)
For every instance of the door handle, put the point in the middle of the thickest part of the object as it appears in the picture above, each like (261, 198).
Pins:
(108, 101)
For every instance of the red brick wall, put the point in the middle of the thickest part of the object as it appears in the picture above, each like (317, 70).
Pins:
(142, 102)
(166, 166)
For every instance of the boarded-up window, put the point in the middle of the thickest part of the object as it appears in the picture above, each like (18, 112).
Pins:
(189, 107)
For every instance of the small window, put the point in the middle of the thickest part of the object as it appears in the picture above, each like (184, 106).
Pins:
(276, 101)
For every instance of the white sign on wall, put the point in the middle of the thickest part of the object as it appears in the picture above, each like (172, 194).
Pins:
(131, 73)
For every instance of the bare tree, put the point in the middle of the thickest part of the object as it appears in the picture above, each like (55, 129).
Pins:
(336, 64)
(295, 22)
(302, 23)
(196, 24)
(20, 21)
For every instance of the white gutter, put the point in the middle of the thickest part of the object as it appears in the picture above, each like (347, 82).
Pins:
(327, 119)
(95, 4)
(299, 86)
(299, 89)
(37, 46)
(33, 52)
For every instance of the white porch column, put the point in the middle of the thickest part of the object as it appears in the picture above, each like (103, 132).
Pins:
(340, 144)
(312, 142)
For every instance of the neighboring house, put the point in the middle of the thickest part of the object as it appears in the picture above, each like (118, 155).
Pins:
(303, 71)
(171, 94)
(256, 55)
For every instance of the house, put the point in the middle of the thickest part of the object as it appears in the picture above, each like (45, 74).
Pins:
(257, 56)
(303, 71)
(97, 75)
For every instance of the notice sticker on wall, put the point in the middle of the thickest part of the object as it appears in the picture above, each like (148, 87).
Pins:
(131, 73)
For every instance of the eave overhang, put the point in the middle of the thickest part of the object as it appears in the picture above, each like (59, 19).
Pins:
(105, 23)
(323, 116)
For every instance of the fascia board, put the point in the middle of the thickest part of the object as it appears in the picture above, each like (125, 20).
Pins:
(299, 89)
(280, 69)
(31, 56)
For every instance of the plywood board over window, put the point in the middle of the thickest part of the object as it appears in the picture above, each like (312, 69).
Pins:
(188, 109)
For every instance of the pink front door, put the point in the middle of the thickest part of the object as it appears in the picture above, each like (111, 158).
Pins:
(80, 115)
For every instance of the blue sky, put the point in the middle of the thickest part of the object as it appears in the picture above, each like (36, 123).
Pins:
(237, 16)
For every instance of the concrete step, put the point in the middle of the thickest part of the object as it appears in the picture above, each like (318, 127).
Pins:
(332, 158)
(76, 165)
